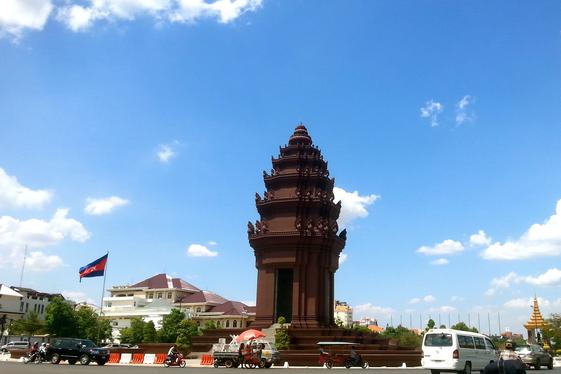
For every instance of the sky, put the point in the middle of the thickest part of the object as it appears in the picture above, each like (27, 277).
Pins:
(141, 127)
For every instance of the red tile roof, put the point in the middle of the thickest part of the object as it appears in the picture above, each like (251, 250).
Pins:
(231, 308)
(164, 281)
(203, 297)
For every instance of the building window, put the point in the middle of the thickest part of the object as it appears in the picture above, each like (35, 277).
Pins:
(227, 323)
(159, 295)
(198, 309)
(26, 307)
(217, 323)
(109, 304)
(42, 308)
(150, 295)
(21, 307)
(235, 324)
(169, 295)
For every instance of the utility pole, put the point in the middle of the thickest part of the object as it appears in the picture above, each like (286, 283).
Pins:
(469, 320)
(489, 322)
(499, 315)
(23, 267)
(478, 322)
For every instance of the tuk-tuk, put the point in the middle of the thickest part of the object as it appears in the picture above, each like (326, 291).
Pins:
(340, 354)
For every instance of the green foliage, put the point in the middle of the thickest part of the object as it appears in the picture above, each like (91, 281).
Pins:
(282, 339)
(210, 325)
(442, 327)
(170, 325)
(29, 325)
(339, 322)
(463, 327)
(405, 337)
(60, 319)
(361, 328)
(552, 332)
(185, 331)
(91, 326)
(149, 332)
(430, 325)
(281, 320)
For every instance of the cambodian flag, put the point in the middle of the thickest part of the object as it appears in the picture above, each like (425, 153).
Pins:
(94, 269)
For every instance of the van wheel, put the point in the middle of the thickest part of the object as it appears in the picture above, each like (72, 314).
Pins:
(55, 359)
(84, 360)
(467, 369)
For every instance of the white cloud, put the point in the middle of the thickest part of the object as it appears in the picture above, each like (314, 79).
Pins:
(15, 195)
(370, 310)
(440, 262)
(224, 10)
(79, 297)
(447, 247)
(426, 299)
(429, 299)
(479, 239)
(17, 16)
(462, 111)
(82, 17)
(342, 258)
(541, 240)
(551, 277)
(212, 243)
(443, 309)
(521, 303)
(103, 205)
(457, 299)
(353, 205)
(199, 250)
(41, 262)
(35, 233)
(165, 153)
(432, 110)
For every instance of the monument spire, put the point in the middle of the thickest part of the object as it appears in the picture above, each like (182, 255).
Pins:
(296, 240)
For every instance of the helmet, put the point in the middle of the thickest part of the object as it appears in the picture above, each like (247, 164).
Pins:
(43, 344)
(508, 345)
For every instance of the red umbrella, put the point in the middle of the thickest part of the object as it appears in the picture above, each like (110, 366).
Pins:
(249, 335)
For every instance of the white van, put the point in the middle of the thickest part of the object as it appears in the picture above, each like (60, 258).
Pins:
(447, 350)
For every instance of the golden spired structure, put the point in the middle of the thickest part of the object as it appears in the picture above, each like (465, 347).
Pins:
(535, 324)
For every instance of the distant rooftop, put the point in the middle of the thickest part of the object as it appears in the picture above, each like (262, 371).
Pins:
(165, 281)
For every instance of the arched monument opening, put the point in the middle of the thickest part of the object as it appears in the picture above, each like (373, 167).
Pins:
(296, 240)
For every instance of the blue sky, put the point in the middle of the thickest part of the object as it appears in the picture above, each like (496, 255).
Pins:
(443, 116)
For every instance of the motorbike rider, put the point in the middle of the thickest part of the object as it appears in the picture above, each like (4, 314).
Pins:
(355, 357)
(34, 351)
(173, 353)
(509, 353)
(43, 351)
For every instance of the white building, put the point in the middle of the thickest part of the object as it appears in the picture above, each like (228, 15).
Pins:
(11, 303)
(35, 301)
(155, 297)
(343, 313)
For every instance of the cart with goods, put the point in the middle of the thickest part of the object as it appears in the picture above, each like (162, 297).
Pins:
(249, 350)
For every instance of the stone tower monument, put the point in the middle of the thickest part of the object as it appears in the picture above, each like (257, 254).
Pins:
(296, 240)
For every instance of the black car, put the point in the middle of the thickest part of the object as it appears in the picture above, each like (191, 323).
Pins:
(74, 350)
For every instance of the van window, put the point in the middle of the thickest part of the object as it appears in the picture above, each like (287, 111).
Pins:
(465, 342)
(438, 340)
(479, 343)
(490, 345)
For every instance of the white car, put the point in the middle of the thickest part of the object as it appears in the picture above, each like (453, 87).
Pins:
(447, 350)
(21, 345)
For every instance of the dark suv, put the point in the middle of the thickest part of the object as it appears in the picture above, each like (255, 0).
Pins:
(534, 355)
(73, 350)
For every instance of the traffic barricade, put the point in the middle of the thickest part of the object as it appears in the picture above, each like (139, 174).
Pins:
(125, 358)
(137, 358)
(149, 358)
(160, 358)
(114, 358)
(206, 360)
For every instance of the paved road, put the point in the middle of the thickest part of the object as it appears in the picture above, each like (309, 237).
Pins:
(18, 368)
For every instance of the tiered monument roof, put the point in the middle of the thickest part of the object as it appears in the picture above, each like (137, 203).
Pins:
(536, 320)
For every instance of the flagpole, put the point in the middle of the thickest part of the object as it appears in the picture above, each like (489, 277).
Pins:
(101, 304)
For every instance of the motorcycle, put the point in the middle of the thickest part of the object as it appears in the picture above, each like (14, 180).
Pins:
(179, 360)
(35, 357)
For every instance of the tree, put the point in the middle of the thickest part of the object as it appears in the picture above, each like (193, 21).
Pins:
(210, 325)
(404, 336)
(91, 326)
(463, 327)
(170, 324)
(135, 333)
(185, 331)
(29, 325)
(552, 332)
(150, 335)
(442, 327)
(60, 318)
(430, 325)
